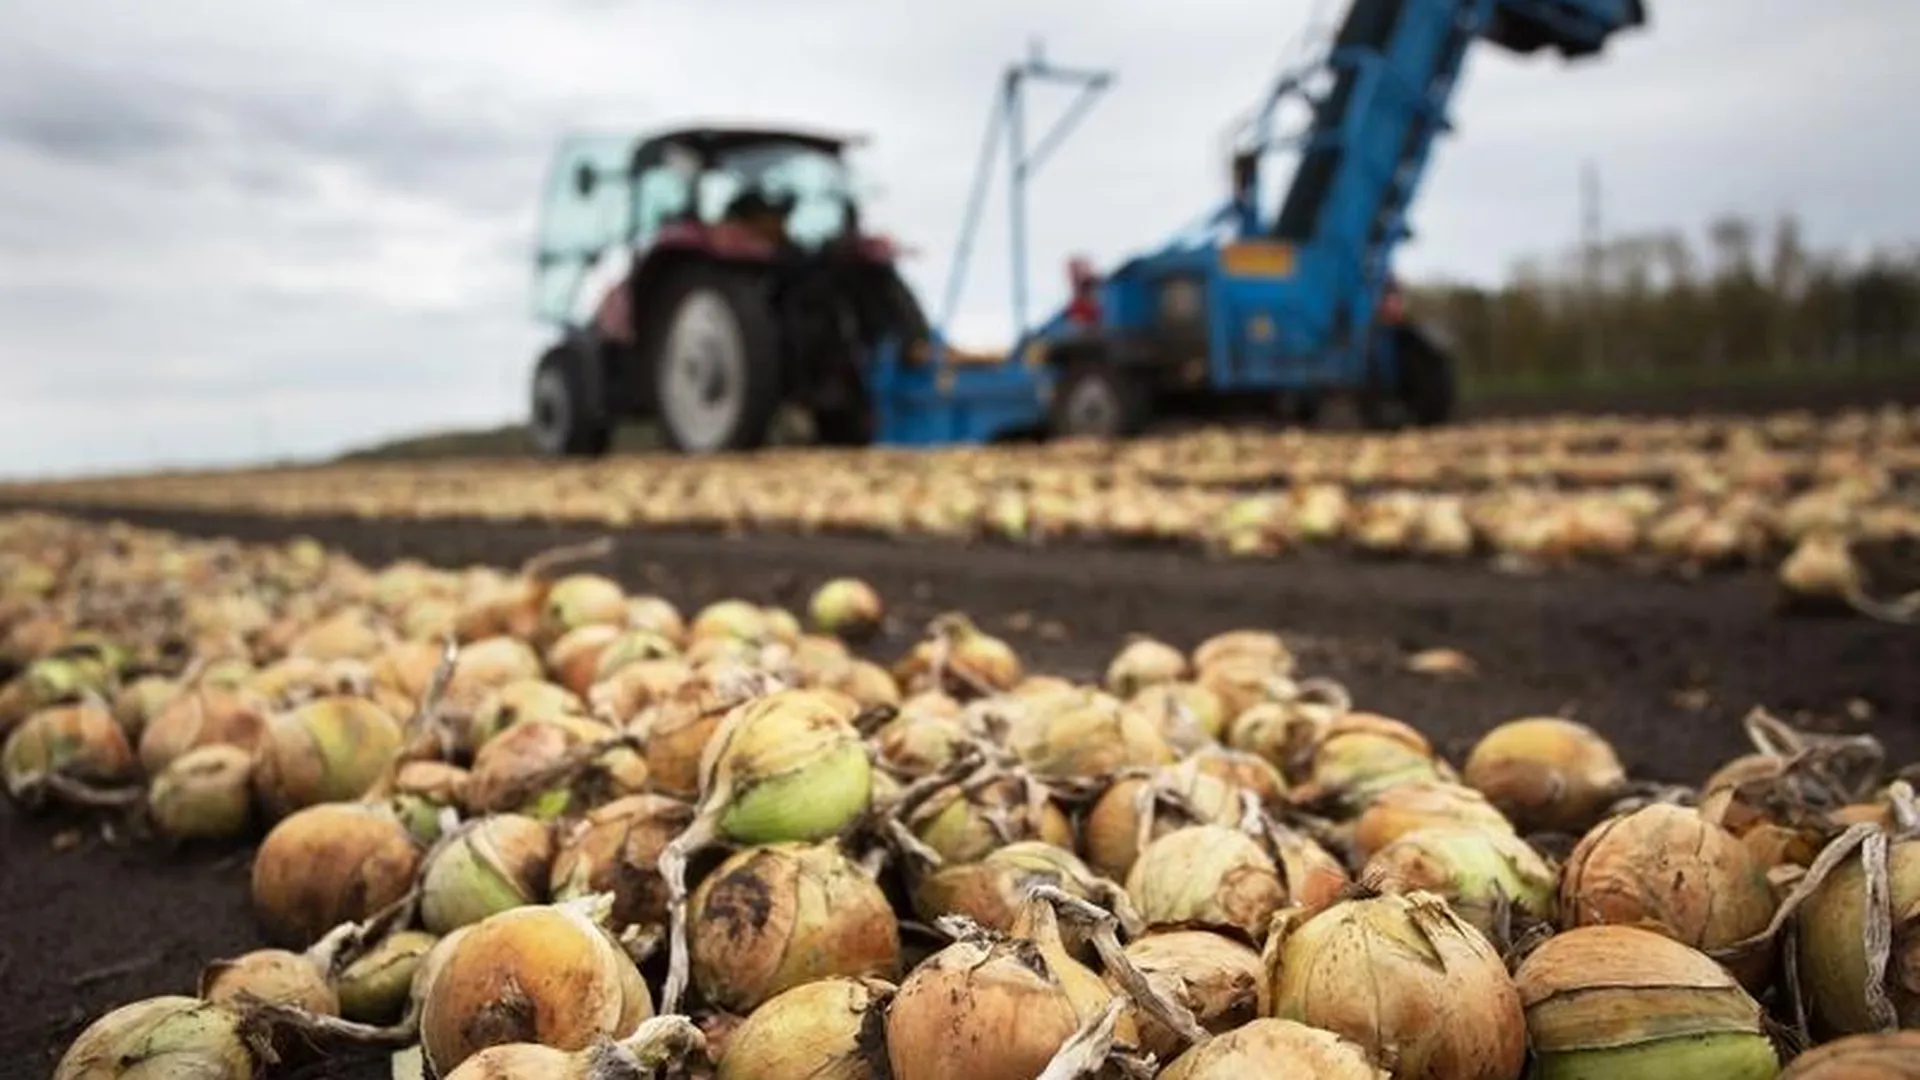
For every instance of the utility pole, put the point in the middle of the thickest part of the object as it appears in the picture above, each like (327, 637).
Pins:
(1592, 265)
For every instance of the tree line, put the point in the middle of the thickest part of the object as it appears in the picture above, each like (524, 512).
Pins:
(1742, 297)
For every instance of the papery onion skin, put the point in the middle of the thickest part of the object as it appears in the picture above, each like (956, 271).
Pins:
(1889, 1055)
(1111, 829)
(772, 918)
(1620, 1001)
(330, 749)
(1402, 973)
(1207, 875)
(373, 989)
(498, 862)
(271, 975)
(616, 849)
(978, 1012)
(329, 864)
(1418, 804)
(1279, 1048)
(828, 1029)
(1475, 870)
(1833, 965)
(1546, 774)
(80, 742)
(795, 766)
(991, 890)
(171, 1037)
(1218, 979)
(204, 794)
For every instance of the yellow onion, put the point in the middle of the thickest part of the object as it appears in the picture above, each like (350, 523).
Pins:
(578, 600)
(730, 618)
(1263, 645)
(827, 1029)
(1401, 976)
(330, 749)
(658, 615)
(274, 976)
(621, 697)
(485, 665)
(510, 703)
(632, 647)
(1314, 876)
(1667, 868)
(76, 742)
(1476, 870)
(1250, 772)
(1420, 804)
(992, 890)
(680, 727)
(961, 659)
(1186, 713)
(616, 849)
(1269, 1047)
(1219, 980)
(329, 864)
(545, 768)
(1242, 681)
(1360, 755)
(1209, 876)
(574, 659)
(773, 917)
(847, 608)
(1885, 1055)
(374, 988)
(788, 766)
(350, 633)
(1835, 973)
(991, 1010)
(538, 974)
(1546, 774)
(204, 794)
(422, 791)
(202, 716)
(862, 680)
(659, 1046)
(1621, 1003)
(965, 822)
(915, 744)
(139, 701)
(167, 1036)
(1136, 809)
(1094, 736)
(487, 866)
(1144, 662)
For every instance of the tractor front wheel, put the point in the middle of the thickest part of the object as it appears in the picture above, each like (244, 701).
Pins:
(717, 371)
(1098, 399)
(566, 421)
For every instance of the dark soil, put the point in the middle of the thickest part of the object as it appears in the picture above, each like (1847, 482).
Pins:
(1665, 668)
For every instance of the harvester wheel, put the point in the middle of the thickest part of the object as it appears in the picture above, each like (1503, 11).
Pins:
(1098, 399)
(717, 371)
(566, 421)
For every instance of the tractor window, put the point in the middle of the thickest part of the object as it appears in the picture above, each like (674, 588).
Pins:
(817, 182)
(660, 195)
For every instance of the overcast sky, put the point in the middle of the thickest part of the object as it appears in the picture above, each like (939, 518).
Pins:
(231, 230)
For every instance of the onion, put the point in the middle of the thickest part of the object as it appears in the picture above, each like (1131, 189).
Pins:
(1250, 772)
(621, 697)
(1093, 737)
(329, 864)
(966, 821)
(374, 988)
(1361, 755)
(514, 702)
(961, 659)
(1277, 1048)
(204, 794)
(632, 647)
(168, 1036)
(828, 1029)
(1207, 876)
(1477, 871)
(546, 768)
(992, 890)
(1262, 645)
(1134, 809)
(330, 749)
(1889, 1055)
(1144, 662)
(1665, 867)
(1838, 977)
(422, 791)
(1546, 774)
(578, 600)
(847, 608)
(202, 716)
(1402, 976)
(731, 618)
(1189, 715)
(616, 849)
(774, 917)
(545, 974)
(915, 744)
(680, 727)
(485, 867)
(574, 659)
(80, 743)
(1621, 1002)
(273, 976)
(1219, 980)
(139, 701)
(1420, 804)
(862, 680)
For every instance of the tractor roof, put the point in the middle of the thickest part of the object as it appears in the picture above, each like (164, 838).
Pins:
(719, 138)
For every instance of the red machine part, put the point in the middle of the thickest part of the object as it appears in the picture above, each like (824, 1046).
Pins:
(1084, 308)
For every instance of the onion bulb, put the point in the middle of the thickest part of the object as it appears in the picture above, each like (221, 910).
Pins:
(1095, 736)
(202, 716)
(487, 866)
(1402, 976)
(1144, 662)
(1620, 1001)
(76, 742)
(964, 822)
(1208, 876)
(774, 917)
(961, 659)
(1889, 1055)
(1137, 808)
(546, 768)
(274, 976)
(679, 728)
(1835, 971)
(330, 749)
(329, 864)
(1189, 715)
(788, 766)
(1668, 868)
(1476, 870)
(538, 974)
(1278, 1048)
(1546, 774)
(828, 1029)
(846, 608)
(1360, 755)
(1219, 980)
(991, 890)
(1420, 804)
(204, 794)
(616, 849)
(374, 988)
(167, 1036)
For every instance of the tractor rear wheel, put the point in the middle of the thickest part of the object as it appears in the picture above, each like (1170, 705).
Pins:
(717, 370)
(1098, 399)
(565, 420)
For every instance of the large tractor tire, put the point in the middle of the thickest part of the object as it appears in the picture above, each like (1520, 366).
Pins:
(567, 419)
(1098, 399)
(717, 369)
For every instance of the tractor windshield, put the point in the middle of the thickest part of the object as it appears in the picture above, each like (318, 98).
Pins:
(818, 182)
